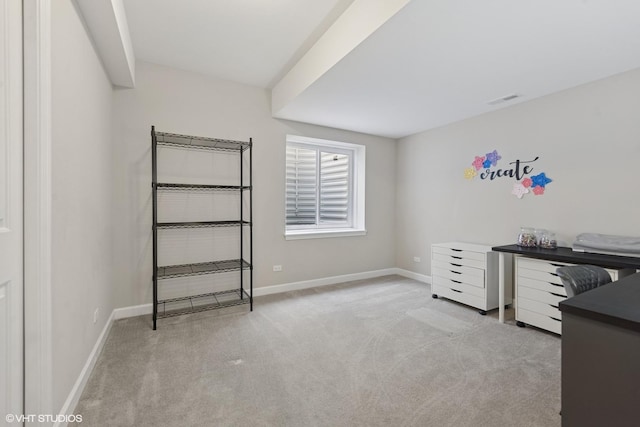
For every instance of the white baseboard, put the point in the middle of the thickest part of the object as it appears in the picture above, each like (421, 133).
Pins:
(415, 276)
(74, 395)
(305, 284)
(133, 311)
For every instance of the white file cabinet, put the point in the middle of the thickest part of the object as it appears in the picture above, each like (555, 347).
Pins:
(539, 290)
(468, 273)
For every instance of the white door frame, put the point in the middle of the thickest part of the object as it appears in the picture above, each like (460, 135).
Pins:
(38, 363)
(11, 215)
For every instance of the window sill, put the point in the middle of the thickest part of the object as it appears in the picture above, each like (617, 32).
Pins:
(321, 234)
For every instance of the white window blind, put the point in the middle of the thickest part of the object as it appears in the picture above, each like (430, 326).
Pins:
(302, 186)
(334, 188)
(318, 187)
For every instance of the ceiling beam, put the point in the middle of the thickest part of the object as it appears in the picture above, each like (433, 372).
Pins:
(357, 23)
(106, 22)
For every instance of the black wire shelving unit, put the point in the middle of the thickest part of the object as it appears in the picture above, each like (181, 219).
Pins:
(212, 300)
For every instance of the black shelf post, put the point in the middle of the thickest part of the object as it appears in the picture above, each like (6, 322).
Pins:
(154, 190)
(240, 156)
(251, 224)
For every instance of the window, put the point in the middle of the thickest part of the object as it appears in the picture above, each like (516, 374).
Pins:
(324, 189)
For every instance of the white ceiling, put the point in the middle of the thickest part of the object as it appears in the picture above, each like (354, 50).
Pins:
(433, 63)
(247, 41)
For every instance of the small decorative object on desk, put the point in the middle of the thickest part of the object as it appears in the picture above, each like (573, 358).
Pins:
(539, 232)
(527, 237)
(548, 240)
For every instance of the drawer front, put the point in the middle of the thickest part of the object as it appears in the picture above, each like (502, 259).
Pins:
(543, 276)
(539, 320)
(458, 268)
(459, 253)
(469, 279)
(541, 296)
(450, 259)
(540, 265)
(539, 307)
(442, 282)
(462, 297)
(551, 266)
(552, 288)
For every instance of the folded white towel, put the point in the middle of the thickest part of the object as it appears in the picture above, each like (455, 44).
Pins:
(608, 243)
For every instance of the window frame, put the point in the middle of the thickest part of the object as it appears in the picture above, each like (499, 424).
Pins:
(355, 225)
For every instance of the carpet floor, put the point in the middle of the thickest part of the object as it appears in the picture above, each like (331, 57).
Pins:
(377, 352)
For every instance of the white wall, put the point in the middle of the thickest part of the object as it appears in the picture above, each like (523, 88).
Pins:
(82, 178)
(588, 141)
(184, 102)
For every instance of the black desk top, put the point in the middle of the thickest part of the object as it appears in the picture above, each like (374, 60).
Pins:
(570, 256)
(617, 303)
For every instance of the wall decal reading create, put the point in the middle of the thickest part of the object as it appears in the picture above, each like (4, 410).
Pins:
(520, 170)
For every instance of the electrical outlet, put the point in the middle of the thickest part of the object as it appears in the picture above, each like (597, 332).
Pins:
(95, 315)
(277, 268)
(416, 259)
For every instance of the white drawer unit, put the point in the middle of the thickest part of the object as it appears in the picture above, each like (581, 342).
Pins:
(539, 290)
(468, 273)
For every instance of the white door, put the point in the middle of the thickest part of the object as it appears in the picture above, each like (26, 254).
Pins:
(11, 235)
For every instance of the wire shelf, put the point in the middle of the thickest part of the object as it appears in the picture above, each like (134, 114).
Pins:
(199, 187)
(198, 269)
(200, 224)
(242, 295)
(174, 140)
(204, 302)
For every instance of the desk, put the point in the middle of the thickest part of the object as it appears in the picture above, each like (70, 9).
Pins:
(601, 354)
(559, 254)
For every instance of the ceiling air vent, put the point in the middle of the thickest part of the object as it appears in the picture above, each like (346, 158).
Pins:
(505, 98)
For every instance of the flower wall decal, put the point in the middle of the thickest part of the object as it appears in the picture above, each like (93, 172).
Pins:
(540, 180)
(518, 169)
(538, 191)
(470, 173)
(493, 158)
(519, 190)
(478, 162)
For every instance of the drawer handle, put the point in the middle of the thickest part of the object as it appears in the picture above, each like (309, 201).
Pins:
(456, 265)
(556, 265)
(557, 295)
(555, 284)
(553, 274)
(455, 290)
(456, 272)
(456, 257)
(456, 281)
(551, 305)
(557, 320)
(457, 250)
